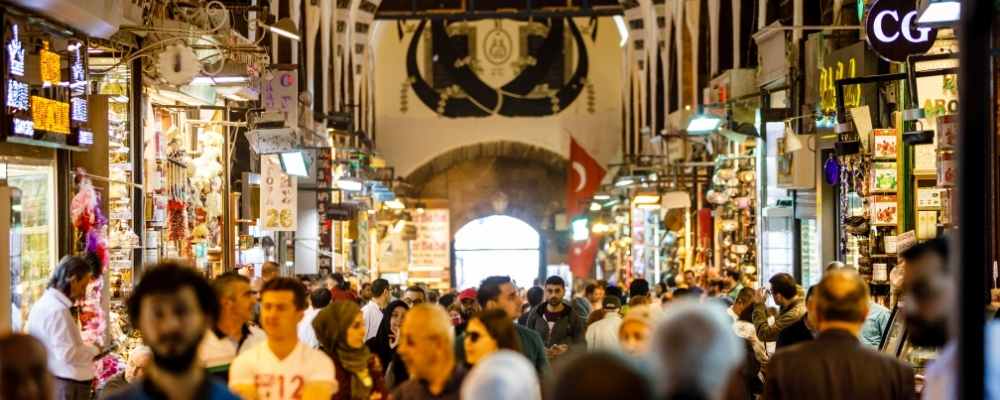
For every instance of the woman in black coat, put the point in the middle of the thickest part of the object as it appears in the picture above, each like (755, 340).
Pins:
(386, 341)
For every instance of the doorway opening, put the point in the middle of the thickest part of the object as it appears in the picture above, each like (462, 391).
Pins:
(496, 245)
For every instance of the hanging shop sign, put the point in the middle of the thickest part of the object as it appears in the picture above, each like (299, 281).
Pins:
(432, 246)
(281, 94)
(848, 62)
(46, 86)
(891, 30)
(278, 197)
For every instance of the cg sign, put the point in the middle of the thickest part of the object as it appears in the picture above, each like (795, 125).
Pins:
(891, 30)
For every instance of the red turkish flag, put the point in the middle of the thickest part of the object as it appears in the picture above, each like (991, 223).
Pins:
(583, 179)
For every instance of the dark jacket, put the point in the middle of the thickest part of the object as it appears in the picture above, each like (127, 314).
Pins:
(416, 389)
(531, 347)
(568, 330)
(836, 366)
(582, 308)
(794, 333)
(789, 315)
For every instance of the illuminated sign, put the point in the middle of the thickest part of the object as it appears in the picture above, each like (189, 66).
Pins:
(50, 115)
(48, 65)
(891, 31)
(79, 107)
(85, 137)
(16, 53)
(23, 127)
(17, 95)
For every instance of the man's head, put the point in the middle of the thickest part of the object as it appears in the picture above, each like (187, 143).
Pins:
(320, 297)
(841, 300)
(269, 270)
(173, 306)
(427, 340)
(282, 305)
(928, 292)
(414, 295)
(336, 281)
(535, 295)
(555, 290)
(366, 291)
(499, 292)
(24, 373)
(689, 278)
(638, 287)
(72, 276)
(611, 304)
(236, 298)
(833, 266)
(467, 301)
(811, 312)
(783, 288)
(380, 290)
(594, 293)
(696, 349)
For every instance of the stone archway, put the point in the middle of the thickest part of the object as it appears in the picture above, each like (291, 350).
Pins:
(506, 178)
(479, 178)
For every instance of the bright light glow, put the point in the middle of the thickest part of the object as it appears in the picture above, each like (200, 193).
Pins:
(646, 199)
(622, 182)
(622, 30)
(282, 32)
(580, 231)
(216, 80)
(600, 228)
(350, 185)
(655, 206)
(294, 164)
(496, 245)
(595, 207)
(703, 124)
(394, 204)
(602, 196)
(940, 12)
(653, 177)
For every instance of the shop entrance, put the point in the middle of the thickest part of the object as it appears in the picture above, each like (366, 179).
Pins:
(496, 245)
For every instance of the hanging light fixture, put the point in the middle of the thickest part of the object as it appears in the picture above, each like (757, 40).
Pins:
(284, 27)
(940, 13)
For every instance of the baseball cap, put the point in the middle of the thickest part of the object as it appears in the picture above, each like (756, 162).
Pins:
(469, 293)
(611, 303)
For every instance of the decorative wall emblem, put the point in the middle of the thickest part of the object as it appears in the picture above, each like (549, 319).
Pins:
(527, 95)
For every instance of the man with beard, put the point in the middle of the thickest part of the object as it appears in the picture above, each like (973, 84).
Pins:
(232, 333)
(173, 306)
(929, 296)
(555, 321)
(282, 368)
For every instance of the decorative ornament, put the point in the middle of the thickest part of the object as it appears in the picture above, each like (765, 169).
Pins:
(178, 65)
(831, 170)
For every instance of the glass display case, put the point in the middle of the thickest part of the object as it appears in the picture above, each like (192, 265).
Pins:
(33, 239)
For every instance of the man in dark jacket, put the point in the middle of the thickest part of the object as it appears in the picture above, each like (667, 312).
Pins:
(498, 292)
(555, 321)
(836, 365)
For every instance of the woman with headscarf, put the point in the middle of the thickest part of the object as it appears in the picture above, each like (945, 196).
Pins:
(503, 375)
(386, 341)
(340, 330)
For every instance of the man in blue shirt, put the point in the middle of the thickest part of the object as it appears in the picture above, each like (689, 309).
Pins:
(874, 326)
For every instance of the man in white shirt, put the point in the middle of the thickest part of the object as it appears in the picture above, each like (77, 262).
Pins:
(282, 368)
(603, 334)
(318, 299)
(373, 310)
(232, 333)
(70, 359)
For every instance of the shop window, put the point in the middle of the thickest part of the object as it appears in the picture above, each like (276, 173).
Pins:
(778, 247)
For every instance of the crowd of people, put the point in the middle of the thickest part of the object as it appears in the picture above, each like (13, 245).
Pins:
(331, 338)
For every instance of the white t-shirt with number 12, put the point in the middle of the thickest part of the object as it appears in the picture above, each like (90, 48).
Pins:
(285, 379)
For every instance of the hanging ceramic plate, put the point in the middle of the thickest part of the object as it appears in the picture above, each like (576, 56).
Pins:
(178, 64)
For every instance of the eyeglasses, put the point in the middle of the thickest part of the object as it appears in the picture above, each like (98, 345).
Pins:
(473, 336)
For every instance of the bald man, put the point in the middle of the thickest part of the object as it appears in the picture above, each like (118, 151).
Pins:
(837, 365)
(426, 343)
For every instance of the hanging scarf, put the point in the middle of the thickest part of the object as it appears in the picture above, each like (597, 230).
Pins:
(331, 326)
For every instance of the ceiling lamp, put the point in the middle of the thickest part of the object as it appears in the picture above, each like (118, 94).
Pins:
(940, 13)
(294, 163)
(394, 204)
(595, 206)
(580, 231)
(646, 198)
(350, 185)
(622, 30)
(624, 181)
(602, 196)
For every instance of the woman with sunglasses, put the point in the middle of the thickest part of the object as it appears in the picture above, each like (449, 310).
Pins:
(488, 332)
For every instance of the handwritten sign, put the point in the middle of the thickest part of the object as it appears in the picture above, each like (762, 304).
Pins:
(278, 197)
(432, 248)
(280, 94)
